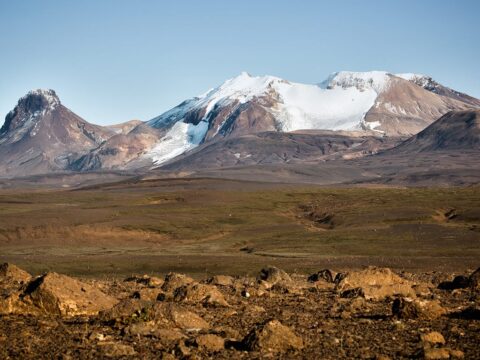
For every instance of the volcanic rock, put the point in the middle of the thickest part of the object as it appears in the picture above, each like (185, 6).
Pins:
(12, 273)
(274, 275)
(374, 283)
(210, 342)
(199, 293)
(405, 308)
(174, 280)
(272, 337)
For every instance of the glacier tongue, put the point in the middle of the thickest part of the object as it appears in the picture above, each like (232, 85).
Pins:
(180, 138)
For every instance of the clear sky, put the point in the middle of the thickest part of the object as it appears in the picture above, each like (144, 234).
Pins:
(116, 60)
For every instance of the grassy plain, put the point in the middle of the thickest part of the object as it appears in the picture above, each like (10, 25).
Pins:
(204, 226)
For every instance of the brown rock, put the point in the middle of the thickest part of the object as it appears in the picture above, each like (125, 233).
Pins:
(274, 275)
(272, 337)
(58, 294)
(222, 280)
(195, 293)
(126, 308)
(148, 294)
(433, 337)
(374, 283)
(172, 315)
(475, 280)
(10, 272)
(406, 308)
(210, 342)
(151, 328)
(150, 281)
(114, 349)
(456, 354)
(436, 353)
(174, 281)
(325, 275)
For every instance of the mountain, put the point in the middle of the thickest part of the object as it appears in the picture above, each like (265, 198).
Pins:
(429, 84)
(270, 147)
(124, 150)
(388, 104)
(456, 130)
(40, 135)
(247, 120)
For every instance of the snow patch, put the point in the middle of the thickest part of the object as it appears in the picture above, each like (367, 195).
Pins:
(378, 81)
(180, 138)
(311, 107)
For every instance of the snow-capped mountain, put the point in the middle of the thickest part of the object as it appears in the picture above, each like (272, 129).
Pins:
(41, 135)
(388, 104)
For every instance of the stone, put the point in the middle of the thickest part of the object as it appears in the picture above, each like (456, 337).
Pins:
(222, 280)
(436, 353)
(171, 315)
(325, 275)
(373, 284)
(274, 275)
(210, 342)
(405, 308)
(456, 354)
(173, 281)
(150, 281)
(114, 349)
(474, 280)
(433, 337)
(200, 293)
(125, 309)
(10, 272)
(148, 294)
(273, 337)
(58, 294)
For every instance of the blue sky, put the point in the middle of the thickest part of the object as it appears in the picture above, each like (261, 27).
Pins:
(116, 60)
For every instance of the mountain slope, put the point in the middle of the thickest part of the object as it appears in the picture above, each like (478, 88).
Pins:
(457, 130)
(40, 135)
(379, 101)
(279, 148)
(429, 84)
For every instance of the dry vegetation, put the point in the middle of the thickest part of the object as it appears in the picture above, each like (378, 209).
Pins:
(206, 226)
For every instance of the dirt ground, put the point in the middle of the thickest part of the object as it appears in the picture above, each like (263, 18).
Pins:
(272, 315)
(203, 228)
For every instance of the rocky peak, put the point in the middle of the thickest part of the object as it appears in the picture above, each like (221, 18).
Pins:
(29, 107)
(39, 100)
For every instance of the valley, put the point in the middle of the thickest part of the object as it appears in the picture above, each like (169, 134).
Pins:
(207, 225)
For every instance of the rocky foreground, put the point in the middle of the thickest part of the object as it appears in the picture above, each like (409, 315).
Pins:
(373, 313)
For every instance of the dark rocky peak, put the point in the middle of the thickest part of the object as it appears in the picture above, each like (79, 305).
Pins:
(39, 100)
(30, 107)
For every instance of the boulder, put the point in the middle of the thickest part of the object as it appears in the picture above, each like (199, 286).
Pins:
(272, 337)
(433, 338)
(12, 273)
(474, 280)
(126, 309)
(222, 280)
(405, 308)
(150, 281)
(210, 342)
(115, 349)
(200, 293)
(325, 275)
(171, 315)
(274, 275)
(173, 281)
(373, 283)
(436, 353)
(57, 294)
